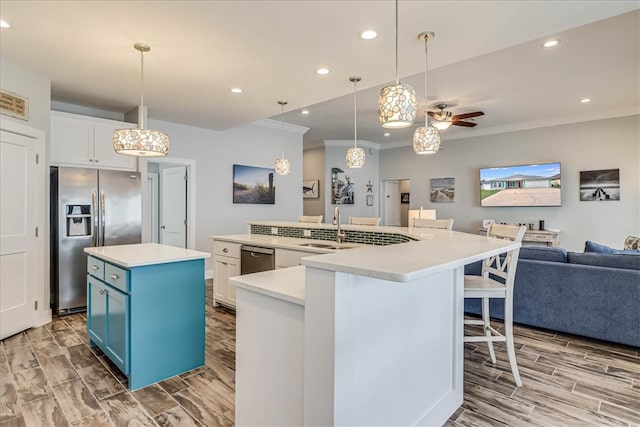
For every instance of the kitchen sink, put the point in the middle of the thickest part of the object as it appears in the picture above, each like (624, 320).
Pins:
(324, 246)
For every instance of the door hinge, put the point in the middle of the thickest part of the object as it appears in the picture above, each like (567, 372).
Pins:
(36, 231)
(36, 305)
(37, 159)
(185, 177)
(185, 222)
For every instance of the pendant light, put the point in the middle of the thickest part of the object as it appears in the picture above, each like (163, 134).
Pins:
(283, 166)
(397, 103)
(426, 139)
(141, 142)
(355, 155)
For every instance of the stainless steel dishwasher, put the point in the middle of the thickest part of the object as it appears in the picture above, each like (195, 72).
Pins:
(254, 259)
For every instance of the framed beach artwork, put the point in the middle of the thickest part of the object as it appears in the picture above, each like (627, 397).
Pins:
(601, 185)
(311, 189)
(253, 185)
(443, 190)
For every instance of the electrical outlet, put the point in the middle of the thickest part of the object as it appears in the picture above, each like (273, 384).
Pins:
(274, 230)
(307, 233)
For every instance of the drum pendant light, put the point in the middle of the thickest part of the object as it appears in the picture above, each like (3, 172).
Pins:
(355, 155)
(141, 142)
(426, 139)
(397, 103)
(283, 166)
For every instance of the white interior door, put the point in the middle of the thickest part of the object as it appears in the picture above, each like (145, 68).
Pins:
(392, 206)
(173, 206)
(17, 233)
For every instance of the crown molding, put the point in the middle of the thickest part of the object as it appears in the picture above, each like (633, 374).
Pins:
(349, 143)
(515, 127)
(275, 124)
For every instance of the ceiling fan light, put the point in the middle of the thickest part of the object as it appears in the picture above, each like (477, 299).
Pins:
(283, 166)
(141, 142)
(426, 140)
(397, 106)
(441, 125)
(355, 157)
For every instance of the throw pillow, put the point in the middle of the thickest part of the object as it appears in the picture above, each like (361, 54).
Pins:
(632, 242)
(597, 248)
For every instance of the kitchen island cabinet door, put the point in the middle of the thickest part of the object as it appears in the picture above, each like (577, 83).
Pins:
(224, 292)
(107, 321)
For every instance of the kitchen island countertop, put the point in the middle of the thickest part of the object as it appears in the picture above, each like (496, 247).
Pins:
(140, 254)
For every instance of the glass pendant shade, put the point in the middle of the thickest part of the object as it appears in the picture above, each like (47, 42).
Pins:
(355, 157)
(397, 106)
(283, 166)
(141, 142)
(426, 140)
(441, 124)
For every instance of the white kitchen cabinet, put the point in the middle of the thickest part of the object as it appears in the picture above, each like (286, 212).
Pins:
(87, 142)
(290, 258)
(226, 258)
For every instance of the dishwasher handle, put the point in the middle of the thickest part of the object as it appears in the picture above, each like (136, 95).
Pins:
(257, 250)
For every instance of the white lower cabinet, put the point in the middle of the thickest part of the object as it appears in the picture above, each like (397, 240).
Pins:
(226, 259)
(290, 258)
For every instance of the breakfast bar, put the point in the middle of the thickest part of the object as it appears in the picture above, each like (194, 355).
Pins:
(368, 336)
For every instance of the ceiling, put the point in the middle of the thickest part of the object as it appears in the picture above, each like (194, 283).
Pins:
(486, 56)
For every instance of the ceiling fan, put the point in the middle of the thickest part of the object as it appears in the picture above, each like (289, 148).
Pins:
(443, 119)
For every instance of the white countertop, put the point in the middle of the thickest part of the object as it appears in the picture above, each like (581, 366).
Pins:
(439, 250)
(286, 284)
(286, 242)
(144, 254)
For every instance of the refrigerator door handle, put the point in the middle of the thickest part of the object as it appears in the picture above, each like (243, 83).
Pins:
(94, 236)
(102, 209)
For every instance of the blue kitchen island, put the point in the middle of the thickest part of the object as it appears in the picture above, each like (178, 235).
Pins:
(146, 309)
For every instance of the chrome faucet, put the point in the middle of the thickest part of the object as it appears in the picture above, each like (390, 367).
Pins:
(336, 221)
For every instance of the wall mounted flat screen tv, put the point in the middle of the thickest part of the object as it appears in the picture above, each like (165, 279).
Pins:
(523, 185)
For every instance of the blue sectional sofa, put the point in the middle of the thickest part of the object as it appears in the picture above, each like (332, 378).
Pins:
(595, 295)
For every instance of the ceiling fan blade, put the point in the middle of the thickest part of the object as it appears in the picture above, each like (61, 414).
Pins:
(465, 124)
(467, 115)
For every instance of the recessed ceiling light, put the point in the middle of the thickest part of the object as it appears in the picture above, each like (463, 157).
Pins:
(585, 100)
(4, 24)
(368, 35)
(304, 112)
(322, 71)
(387, 134)
(551, 43)
(236, 90)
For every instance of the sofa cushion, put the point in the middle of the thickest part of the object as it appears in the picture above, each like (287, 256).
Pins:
(629, 261)
(597, 248)
(543, 253)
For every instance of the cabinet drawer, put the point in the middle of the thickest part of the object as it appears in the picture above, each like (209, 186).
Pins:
(116, 277)
(538, 237)
(95, 267)
(226, 249)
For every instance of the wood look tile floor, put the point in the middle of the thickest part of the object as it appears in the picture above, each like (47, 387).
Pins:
(50, 377)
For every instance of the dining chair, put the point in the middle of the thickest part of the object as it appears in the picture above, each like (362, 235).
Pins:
(445, 224)
(496, 281)
(316, 219)
(364, 220)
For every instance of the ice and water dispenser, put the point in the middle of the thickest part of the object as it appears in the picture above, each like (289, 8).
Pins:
(78, 220)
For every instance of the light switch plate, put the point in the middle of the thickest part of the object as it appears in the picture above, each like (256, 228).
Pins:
(306, 233)
(274, 230)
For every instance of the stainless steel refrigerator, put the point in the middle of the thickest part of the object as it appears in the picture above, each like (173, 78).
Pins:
(89, 207)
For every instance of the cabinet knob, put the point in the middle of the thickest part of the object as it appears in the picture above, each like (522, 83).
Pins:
(102, 291)
(95, 267)
(96, 160)
(114, 277)
(224, 263)
(225, 250)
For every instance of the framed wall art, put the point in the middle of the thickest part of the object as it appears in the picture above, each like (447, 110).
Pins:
(601, 185)
(253, 185)
(311, 189)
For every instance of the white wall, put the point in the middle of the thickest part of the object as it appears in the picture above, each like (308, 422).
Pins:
(335, 157)
(314, 169)
(595, 145)
(215, 153)
(37, 88)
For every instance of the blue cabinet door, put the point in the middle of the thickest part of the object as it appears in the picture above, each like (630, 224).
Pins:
(96, 312)
(117, 328)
